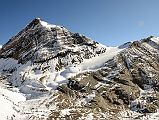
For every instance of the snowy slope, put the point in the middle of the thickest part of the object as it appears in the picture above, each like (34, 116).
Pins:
(33, 88)
(37, 80)
(91, 64)
(10, 104)
(98, 62)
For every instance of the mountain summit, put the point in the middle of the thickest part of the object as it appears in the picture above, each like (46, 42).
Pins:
(40, 41)
(57, 74)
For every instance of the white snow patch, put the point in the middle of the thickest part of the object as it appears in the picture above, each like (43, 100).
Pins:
(98, 61)
(155, 39)
(65, 112)
(9, 103)
(88, 98)
(88, 64)
(47, 25)
(89, 116)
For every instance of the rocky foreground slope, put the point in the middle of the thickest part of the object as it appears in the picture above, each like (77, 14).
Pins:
(50, 73)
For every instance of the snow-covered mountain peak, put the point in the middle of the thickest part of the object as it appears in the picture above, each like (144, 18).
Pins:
(38, 22)
(57, 74)
(40, 41)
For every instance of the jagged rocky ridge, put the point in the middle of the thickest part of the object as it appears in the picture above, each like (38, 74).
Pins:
(65, 75)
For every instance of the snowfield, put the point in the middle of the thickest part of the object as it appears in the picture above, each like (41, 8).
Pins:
(98, 61)
(9, 102)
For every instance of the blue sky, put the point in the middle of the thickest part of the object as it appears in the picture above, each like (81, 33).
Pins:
(111, 22)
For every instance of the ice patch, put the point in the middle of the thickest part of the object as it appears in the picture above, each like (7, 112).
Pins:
(98, 61)
(155, 39)
(45, 24)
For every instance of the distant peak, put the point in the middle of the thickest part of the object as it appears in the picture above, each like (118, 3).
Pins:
(38, 18)
(34, 22)
(125, 45)
(39, 21)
